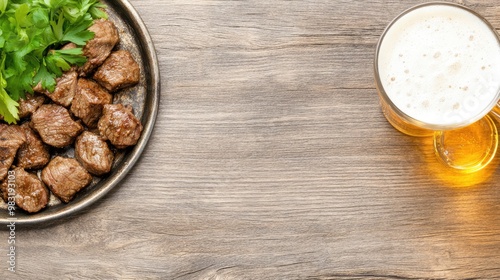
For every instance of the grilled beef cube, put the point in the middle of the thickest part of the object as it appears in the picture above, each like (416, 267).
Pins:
(55, 125)
(66, 86)
(98, 49)
(89, 100)
(65, 177)
(93, 153)
(119, 125)
(118, 71)
(69, 46)
(4, 190)
(11, 138)
(29, 104)
(33, 154)
(31, 194)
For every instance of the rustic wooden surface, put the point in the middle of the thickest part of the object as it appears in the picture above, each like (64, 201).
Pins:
(271, 160)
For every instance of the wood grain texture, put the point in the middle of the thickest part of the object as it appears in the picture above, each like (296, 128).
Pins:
(271, 159)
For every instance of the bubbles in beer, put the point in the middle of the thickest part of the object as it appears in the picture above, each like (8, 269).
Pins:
(432, 65)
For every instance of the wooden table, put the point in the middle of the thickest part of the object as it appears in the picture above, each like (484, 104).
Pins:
(271, 159)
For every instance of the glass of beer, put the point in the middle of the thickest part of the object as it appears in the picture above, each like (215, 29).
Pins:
(437, 72)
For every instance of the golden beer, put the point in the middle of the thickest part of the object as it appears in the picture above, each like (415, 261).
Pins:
(470, 148)
(437, 72)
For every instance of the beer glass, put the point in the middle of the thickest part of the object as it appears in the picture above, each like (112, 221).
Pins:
(437, 72)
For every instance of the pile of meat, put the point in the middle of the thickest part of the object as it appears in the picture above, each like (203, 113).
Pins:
(79, 112)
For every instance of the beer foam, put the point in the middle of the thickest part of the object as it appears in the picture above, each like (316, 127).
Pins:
(440, 64)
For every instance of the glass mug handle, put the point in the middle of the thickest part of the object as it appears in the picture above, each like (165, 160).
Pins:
(471, 148)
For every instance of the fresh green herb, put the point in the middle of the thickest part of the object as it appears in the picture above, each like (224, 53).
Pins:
(31, 35)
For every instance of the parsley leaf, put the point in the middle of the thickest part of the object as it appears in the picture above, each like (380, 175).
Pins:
(78, 33)
(31, 34)
(8, 107)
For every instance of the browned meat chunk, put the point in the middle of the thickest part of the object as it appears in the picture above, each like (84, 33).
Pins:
(65, 177)
(98, 49)
(55, 125)
(29, 104)
(33, 154)
(119, 125)
(69, 46)
(65, 89)
(31, 194)
(4, 189)
(11, 138)
(93, 153)
(89, 100)
(118, 71)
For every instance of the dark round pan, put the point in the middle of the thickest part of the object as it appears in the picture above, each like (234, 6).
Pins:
(144, 98)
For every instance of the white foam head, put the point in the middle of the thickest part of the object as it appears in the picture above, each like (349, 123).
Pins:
(440, 65)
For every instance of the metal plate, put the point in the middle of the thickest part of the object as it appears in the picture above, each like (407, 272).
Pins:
(144, 98)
